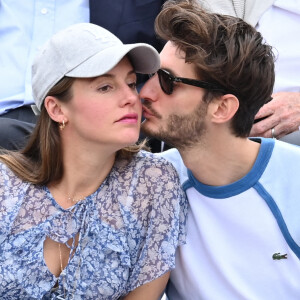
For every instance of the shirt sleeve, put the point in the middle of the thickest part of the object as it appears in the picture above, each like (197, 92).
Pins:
(10, 194)
(158, 219)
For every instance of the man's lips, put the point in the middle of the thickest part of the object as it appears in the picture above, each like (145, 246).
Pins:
(129, 118)
(147, 112)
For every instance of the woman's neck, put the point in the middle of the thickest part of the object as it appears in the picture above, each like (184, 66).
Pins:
(82, 176)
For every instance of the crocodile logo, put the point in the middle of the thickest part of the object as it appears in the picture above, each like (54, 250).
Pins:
(279, 256)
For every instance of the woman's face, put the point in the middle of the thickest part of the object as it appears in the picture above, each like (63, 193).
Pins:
(105, 110)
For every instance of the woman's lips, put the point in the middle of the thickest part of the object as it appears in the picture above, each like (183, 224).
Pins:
(129, 118)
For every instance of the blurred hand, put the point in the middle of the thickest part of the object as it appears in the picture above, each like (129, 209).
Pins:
(282, 113)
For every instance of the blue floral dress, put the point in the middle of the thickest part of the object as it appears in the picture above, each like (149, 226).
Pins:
(128, 232)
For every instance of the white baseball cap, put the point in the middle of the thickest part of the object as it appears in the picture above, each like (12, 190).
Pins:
(85, 50)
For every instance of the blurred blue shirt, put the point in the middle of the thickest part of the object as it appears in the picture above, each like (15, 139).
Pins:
(24, 27)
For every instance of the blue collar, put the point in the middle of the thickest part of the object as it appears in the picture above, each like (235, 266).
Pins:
(241, 185)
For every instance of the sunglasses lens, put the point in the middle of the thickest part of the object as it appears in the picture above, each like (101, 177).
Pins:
(166, 82)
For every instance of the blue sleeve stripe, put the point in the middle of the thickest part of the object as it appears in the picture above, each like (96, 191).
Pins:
(279, 218)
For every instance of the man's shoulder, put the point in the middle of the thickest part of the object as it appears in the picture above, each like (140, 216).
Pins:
(286, 151)
(282, 167)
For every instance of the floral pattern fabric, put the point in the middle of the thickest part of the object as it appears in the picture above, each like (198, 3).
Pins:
(128, 233)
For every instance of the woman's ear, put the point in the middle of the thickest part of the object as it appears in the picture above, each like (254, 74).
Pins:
(224, 108)
(54, 109)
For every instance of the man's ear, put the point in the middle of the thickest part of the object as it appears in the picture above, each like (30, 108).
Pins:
(54, 109)
(224, 108)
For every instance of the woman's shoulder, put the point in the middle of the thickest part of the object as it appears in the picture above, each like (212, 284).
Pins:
(11, 194)
(148, 178)
(6, 174)
(148, 160)
(3, 167)
(147, 167)
(12, 187)
(8, 177)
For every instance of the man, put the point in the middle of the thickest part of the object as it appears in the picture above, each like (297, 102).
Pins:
(243, 228)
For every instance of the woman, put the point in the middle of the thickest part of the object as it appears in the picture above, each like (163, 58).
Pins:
(84, 214)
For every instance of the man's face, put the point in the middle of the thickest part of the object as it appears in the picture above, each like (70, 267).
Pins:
(179, 118)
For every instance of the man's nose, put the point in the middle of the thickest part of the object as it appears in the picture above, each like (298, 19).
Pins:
(150, 89)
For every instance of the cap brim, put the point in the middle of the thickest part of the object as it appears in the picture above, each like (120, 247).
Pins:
(145, 60)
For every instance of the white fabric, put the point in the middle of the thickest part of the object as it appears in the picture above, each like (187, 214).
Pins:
(233, 232)
(248, 10)
(280, 26)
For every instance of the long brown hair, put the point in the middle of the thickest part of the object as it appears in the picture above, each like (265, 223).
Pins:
(41, 162)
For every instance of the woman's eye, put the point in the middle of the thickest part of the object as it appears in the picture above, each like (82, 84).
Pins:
(132, 85)
(104, 88)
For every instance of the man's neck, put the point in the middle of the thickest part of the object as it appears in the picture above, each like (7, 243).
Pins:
(221, 162)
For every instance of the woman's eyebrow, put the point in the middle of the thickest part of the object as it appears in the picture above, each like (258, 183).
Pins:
(108, 75)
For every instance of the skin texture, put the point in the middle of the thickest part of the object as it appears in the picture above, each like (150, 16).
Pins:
(170, 120)
(149, 291)
(282, 114)
(103, 102)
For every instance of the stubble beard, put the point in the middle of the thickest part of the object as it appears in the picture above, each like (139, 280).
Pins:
(181, 131)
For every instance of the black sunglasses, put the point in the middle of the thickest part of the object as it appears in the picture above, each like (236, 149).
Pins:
(166, 81)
